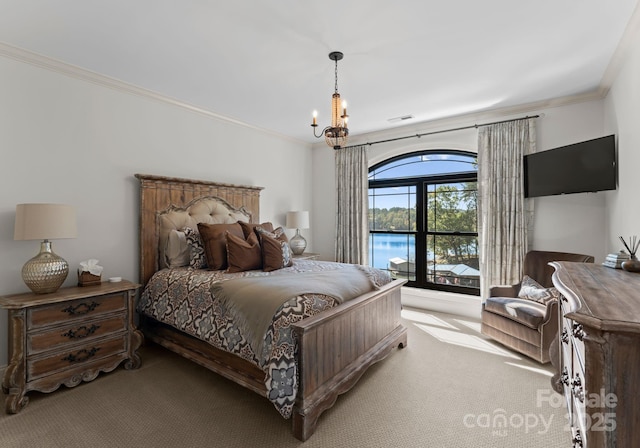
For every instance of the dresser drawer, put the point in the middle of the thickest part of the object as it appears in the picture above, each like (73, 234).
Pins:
(74, 310)
(72, 357)
(85, 331)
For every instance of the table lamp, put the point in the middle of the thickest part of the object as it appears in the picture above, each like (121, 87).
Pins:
(297, 220)
(45, 272)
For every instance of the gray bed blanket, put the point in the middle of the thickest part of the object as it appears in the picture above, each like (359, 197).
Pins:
(253, 301)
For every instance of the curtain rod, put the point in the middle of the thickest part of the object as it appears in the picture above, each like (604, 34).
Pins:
(441, 131)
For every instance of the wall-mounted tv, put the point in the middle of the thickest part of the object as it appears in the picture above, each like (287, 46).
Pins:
(579, 168)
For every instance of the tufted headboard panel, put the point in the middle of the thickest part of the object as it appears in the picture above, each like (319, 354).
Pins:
(168, 203)
(209, 210)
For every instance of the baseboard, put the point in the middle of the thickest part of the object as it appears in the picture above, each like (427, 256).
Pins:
(444, 302)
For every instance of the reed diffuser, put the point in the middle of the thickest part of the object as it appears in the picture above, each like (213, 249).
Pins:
(632, 264)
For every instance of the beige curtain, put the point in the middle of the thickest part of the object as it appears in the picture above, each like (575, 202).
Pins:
(504, 216)
(352, 186)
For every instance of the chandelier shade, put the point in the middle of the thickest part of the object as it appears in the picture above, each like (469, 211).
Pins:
(337, 134)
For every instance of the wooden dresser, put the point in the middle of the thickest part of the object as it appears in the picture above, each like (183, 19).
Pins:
(599, 348)
(67, 337)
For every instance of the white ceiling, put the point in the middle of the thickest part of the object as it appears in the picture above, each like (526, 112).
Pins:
(266, 63)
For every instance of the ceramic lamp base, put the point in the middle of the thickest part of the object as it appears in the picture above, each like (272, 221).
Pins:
(297, 243)
(45, 272)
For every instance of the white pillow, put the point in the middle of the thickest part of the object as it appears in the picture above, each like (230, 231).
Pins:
(532, 290)
(177, 252)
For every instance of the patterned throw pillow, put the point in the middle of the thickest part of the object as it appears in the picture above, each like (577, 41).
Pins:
(276, 253)
(532, 290)
(197, 258)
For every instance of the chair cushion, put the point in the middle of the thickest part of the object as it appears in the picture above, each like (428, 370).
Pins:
(527, 312)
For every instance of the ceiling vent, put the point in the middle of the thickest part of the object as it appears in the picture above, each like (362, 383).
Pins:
(399, 119)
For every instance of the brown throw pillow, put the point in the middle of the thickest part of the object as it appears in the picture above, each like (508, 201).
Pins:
(243, 255)
(214, 240)
(249, 228)
(276, 253)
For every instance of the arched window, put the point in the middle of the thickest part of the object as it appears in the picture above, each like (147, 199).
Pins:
(423, 219)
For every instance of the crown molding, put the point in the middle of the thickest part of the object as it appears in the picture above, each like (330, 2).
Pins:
(73, 71)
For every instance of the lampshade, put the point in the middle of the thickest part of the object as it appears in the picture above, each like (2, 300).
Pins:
(45, 272)
(44, 222)
(298, 220)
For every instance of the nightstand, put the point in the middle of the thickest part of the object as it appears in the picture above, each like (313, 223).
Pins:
(306, 256)
(67, 337)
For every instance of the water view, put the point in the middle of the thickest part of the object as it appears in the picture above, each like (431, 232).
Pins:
(385, 247)
(396, 253)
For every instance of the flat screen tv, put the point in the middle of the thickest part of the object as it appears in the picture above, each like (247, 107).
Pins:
(579, 168)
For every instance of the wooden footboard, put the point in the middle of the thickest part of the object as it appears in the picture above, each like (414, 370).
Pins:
(337, 346)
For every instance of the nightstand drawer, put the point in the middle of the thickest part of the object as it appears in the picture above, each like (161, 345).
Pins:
(72, 357)
(76, 309)
(69, 334)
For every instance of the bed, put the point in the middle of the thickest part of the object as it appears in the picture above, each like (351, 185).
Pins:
(315, 348)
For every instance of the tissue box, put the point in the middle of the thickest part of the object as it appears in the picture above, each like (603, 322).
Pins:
(86, 278)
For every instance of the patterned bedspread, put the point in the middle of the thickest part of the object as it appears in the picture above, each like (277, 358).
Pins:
(182, 298)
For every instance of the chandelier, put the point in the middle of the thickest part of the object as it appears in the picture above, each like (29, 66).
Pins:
(337, 134)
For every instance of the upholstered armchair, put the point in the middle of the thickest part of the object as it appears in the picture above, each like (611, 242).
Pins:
(524, 317)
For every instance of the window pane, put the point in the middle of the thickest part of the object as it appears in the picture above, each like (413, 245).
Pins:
(392, 208)
(393, 252)
(426, 164)
(452, 207)
(453, 260)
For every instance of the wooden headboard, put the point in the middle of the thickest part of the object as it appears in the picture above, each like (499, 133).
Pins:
(159, 194)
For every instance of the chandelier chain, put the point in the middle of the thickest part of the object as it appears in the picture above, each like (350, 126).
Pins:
(336, 75)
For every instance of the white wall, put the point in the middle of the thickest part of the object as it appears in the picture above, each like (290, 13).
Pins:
(63, 139)
(622, 117)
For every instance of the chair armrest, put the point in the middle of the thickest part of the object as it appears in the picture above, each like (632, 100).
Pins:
(504, 291)
(551, 313)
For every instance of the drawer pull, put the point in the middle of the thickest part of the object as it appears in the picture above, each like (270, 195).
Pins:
(577, 440)
(81, 355)
(81, 308)
(577, 389)
(564, 378)
(578, 332)
(81, 332)
(565, 336)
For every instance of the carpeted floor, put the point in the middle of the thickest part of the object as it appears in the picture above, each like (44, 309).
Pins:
(451, 387)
